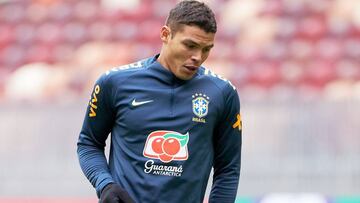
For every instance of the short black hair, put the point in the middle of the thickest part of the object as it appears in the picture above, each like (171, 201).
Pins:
(190, 12)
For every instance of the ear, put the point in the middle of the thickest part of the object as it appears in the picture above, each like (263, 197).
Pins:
(165, 34)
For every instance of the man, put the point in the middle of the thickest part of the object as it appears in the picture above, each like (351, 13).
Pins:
(171, 120)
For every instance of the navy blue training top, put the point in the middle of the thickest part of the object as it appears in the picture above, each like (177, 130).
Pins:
(166, 134)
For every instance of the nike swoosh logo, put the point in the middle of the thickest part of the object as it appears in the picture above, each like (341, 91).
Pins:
(136, 103)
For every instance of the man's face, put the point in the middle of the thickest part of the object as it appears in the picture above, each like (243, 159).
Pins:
(184, 51)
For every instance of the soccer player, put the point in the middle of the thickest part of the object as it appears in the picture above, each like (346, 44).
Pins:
(171, 120)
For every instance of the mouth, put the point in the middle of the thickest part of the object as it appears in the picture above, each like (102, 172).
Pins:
(191, 68)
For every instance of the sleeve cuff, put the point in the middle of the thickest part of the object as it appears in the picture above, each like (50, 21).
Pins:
(102, 183)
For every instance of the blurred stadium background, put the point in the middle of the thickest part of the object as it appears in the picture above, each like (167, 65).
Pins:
(295, 63)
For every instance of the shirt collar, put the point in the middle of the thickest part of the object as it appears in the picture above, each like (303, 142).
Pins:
(164, 74)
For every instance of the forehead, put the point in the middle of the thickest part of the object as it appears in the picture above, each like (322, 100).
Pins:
(195, 34)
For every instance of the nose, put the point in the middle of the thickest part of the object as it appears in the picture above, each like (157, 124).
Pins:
(196, 56)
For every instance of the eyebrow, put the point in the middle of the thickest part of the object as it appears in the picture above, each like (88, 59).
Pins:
(197, 44)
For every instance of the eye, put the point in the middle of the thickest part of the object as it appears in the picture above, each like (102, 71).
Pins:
(190, 46)
(206, 49)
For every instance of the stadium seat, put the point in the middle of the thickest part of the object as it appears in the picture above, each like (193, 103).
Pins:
(305, 44)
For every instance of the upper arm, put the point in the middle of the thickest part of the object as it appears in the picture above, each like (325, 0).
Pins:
(227, 138)
(99, 117)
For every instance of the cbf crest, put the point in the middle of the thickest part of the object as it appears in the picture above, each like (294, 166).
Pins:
(200, 107)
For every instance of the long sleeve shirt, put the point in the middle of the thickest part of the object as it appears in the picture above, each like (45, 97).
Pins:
(166, 134)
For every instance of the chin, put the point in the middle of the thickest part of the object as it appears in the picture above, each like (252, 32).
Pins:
(183, 77)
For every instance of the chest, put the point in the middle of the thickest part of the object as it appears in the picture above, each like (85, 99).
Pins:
(145, 109)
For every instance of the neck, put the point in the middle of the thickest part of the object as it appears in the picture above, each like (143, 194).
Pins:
(161, 59)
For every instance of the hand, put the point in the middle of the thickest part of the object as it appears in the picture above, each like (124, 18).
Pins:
(113, 193)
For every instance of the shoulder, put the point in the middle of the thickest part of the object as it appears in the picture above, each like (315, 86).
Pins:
(217, 80)
(225, 89)
(123, 72)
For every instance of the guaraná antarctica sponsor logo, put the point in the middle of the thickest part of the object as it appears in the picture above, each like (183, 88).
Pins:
(166, 146)
(158, 169)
